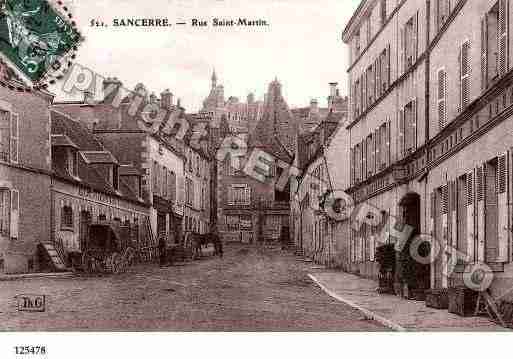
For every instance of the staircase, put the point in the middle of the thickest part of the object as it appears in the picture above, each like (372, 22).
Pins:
(55, 254)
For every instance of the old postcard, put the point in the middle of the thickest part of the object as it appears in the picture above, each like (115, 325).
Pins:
(254, 166)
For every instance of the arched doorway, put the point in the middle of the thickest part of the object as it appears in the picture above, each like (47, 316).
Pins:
(412, 275)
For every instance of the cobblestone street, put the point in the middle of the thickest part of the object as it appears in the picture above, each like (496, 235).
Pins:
(251, 289)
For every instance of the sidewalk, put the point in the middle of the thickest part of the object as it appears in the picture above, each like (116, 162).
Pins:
(8, 277)
(392, 311)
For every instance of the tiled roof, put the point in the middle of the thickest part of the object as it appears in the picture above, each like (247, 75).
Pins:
(77, 133)
(62, 140)
(129, 170)
(98, 157)
(88, 176)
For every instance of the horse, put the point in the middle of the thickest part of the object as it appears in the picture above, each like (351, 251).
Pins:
(198, 240)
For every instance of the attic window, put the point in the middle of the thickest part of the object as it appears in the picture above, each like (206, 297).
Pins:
(115, 177)
(72, 162)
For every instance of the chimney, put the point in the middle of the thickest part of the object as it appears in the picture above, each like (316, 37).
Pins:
(166, 99)
(314, 106)
(333, 89)
(112, 86)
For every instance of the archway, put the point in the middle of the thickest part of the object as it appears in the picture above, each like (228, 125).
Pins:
(412, 276)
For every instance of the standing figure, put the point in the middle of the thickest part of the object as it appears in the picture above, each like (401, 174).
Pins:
(162, 250)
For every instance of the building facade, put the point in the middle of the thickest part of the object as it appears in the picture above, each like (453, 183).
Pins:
(241, 117)
(25, 177)
(160, 158)
(252, 208)
(429, 124)
(90, 186)
(317, 235)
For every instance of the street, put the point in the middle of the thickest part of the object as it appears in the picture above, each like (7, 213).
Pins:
(250, 289)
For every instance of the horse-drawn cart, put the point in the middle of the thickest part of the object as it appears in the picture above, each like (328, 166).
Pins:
(107, 250)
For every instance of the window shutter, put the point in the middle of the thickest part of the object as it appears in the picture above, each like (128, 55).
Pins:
(503, 36)
(15, 213)
(14, 154)
(247, 195)
(502, 206)
(480, 206)
(401, 137)
(378, 87)
(351, 166)
(432, 214)
(453, 205)
(470, 214)
(364, 161)
(465, 74)
(415, 40)
(180, 193)
(413, 130)
(484, 53)
(387, 59)
(436, 17)
(402, 52)
(364, 89)
(377, 154)
(442, 98)
(388, 144)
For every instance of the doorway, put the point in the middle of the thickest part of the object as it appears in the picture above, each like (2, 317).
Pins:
(410, 272)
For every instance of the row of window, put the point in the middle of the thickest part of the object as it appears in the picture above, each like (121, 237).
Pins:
(164, 182)
(194, 163)
(475, 206)
(239, 222)
(372, 84)
(372, 155)
(9, 137)
(239, 194)
(67, 219)
(190, 194)
(358, 47)
(192, 224)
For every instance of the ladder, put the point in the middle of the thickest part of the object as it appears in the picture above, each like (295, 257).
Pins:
(151, 245)
(55, 257)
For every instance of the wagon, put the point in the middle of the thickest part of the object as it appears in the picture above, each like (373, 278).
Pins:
(106, 250)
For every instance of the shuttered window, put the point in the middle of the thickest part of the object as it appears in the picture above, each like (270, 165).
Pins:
(400, 138)
(465, 74)
(15, 213)
(503, 36)
(14, 137)
(442, 98)
(5, 212)
(484, 52)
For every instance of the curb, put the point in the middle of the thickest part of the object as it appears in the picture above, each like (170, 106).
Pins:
(11, 277)
(367, 313)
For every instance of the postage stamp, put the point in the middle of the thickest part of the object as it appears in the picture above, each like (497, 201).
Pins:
(37, 39)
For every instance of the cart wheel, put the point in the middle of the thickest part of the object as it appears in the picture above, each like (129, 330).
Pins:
(114, 262)
(87, 263)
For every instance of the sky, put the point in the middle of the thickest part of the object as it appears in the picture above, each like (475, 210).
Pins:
(302, 47)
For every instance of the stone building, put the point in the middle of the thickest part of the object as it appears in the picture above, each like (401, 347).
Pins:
(316, 235)
(242, 117)
(430, 146)
(25, 176)
(90, 186)
(159, 157)
(251, 208)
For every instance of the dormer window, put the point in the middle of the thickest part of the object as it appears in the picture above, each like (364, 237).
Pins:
(72, 162)
(114, 180)
(65, 155)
